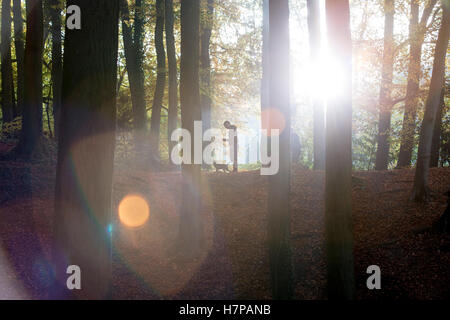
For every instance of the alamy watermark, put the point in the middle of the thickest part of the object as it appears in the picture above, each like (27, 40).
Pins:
(182, 152)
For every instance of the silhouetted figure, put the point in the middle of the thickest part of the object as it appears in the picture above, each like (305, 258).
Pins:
(295, 147)
(233, 140)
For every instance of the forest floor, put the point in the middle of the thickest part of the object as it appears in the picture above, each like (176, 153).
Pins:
(390, 231)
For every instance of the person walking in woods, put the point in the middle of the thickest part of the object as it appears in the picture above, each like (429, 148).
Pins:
(233, 140)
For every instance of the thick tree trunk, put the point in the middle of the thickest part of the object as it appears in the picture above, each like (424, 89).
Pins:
(384, 123)
(20, 52)
(318, 105)
(7, 96)
(416, 38)
(55, 15)
(160, 78)
(172, 121)
(133, 49)
(420, 191)
(191, 226)
(436, 141)
(207, 20)
(279, 184)
(30, 139)
(338, 210)
(86, 151)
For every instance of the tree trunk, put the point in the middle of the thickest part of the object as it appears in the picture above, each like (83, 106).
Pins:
(265, 58)
(172, 121)
(55, 15)
(30, 139)
(384, 123)
(86, 151)
(133, 49)
(6, 67)
(420, 191)
(207, 20)
(279, 183)
(338, 211)
(318, 106)
(160, 78)
(437, 132)
(20, 52)
(416, 38)
(265, 79)
(191, 226)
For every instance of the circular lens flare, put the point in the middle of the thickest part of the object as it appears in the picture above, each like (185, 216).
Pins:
(133, 211)
(272, 119)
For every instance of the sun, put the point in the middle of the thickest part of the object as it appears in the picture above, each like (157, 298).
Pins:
(324, 77)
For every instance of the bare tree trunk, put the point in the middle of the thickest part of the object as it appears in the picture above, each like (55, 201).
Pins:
(338, 209)
(160, 78)
(13, 102)
(172, 121)
(86, 151)
(133, 49)
(416, 37)
(265, 58)
(30, 140)
(207, 21)
(20, 52)
(384, 123)
(420, 191)
(265, 80)
(191, 226)
(55, 15)
(318, 106)
(436, 141)
(6, 67)
(279, 184)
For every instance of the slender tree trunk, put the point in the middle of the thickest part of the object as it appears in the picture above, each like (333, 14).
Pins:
(13, 97)
(416, 37)
(384, 123)
(7, 96)
(279, 184)
(86, 151)
(265, 58)
(191, 226)
(338, 210)
(160, 78)
(133, 49)
(30, 139)
(318, 106)
(55, 15)
(172, 118)
(420, 191)
(265, 79)
(437, 132)
(20, 52)
(207, 21)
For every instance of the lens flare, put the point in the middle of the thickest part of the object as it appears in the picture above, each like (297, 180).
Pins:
(272, 119)
(133, 211)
